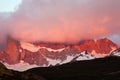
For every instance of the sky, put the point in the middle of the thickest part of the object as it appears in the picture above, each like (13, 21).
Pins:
(60, 20)
(9, 6)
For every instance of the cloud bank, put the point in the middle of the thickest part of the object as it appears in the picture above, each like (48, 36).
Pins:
(62, 20)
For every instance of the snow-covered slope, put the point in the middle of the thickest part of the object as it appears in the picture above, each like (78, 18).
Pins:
(85, 56)
(116, 52)
(21, 55)
(22, 66)
(34, 48)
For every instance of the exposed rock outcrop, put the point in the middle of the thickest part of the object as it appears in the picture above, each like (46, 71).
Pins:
(12, 51)
(101, 46)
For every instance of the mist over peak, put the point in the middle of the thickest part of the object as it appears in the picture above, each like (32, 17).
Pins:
(61, 21)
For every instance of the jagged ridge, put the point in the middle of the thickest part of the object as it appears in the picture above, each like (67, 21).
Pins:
(54, 54)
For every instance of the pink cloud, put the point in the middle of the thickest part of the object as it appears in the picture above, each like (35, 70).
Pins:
(64, 20)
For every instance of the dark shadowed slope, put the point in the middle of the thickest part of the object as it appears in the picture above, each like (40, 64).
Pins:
(6, 74)
(98, 69)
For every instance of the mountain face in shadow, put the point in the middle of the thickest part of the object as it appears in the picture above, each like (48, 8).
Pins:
(6, 74)
(98, 69)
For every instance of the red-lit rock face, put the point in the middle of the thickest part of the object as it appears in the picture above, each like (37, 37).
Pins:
(102, 46)
(12, 51)
(87, 45)
(51, 45)
(34, 58)
(105, 46)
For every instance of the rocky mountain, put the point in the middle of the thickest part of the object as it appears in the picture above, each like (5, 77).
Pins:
(12, 51)
(42, 54)
(76, 69)
(101, 46)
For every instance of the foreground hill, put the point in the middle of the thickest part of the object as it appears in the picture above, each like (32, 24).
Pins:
(98, 69)
(6, 74)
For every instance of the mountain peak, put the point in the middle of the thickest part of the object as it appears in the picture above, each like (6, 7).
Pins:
(101, 46)
(12, 50)
(46, 54)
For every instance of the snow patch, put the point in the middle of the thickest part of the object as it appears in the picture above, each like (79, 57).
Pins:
(117, 54)
(53, 62)
(84, 56)
(54, 50)
(22, 66)
(20, 50)
(69, 58)
(113, 49)
(29, 47)
(33, 48)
